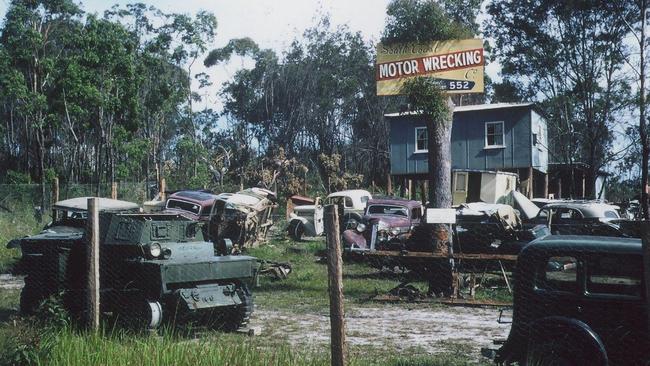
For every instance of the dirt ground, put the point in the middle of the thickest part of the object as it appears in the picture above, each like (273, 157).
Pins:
(430, 329)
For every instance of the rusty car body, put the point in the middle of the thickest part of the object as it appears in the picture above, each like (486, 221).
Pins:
(386, 225)
(243, 218)
(307, 220)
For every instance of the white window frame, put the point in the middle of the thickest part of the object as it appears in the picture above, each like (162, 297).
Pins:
(426, 150)
(503, 135)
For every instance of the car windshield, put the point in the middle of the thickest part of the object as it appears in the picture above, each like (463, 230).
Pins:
(387, 210)
(184, 206)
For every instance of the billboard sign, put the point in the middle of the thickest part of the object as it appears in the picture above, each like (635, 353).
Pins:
(456, 64)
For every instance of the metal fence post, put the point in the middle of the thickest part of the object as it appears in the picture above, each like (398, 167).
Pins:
(335, 285)
(93, 263)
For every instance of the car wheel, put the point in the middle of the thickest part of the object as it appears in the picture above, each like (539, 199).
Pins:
(551, 354)
(350, 221)
(296, 230)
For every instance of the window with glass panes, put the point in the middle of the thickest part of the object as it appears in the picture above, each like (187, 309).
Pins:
(494, 134)
(421, 139)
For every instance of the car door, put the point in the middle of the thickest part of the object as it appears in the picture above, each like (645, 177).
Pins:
(614, 303)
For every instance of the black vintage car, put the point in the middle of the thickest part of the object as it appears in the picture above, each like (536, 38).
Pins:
(579, 300)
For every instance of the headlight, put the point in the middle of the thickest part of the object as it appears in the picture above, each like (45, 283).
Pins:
(154, 250)
(394, 232)
(361, 227)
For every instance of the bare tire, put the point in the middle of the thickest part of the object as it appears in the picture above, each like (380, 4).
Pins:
(350, 221)
(296, 230)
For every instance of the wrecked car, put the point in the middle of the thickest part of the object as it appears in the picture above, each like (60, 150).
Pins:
(196, 205)
(154, 268)
(243, 218)
(385, 225)
(578, 301)
(307, 220)
(585, 218)
(499, 228)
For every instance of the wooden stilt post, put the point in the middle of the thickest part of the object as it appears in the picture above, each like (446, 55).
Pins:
(545, 185)
(92, 227)
(114, 190)
(335, 285)
(559, 187)
(410, 189)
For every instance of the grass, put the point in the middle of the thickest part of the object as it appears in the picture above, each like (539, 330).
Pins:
(305, 290)
(306, 287)
(15, 224)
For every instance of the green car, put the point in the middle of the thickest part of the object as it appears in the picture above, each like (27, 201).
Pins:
(154, 268)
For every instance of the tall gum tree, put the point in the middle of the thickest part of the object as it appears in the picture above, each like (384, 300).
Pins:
(423, 21)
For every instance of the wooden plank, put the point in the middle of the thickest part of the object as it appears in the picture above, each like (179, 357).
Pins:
(335, 285)
(93, 263)
(465, 256)
(446, 301)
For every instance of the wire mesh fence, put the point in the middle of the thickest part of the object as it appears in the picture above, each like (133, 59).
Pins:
(157, 271)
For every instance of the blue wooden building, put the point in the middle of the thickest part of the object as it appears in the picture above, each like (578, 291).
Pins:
(494, 137)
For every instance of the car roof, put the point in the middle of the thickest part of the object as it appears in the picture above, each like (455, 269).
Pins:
(399, 202)
(195, 196)
(80, 204)
(583, 243)
(588, 209)
(350, 193)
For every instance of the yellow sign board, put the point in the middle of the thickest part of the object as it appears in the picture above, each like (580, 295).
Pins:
(457, 65)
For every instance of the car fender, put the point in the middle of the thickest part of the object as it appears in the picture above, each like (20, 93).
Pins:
(585, 339)
(354, 239)
(294, 217)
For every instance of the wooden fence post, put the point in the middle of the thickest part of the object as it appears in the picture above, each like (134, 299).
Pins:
(335, 285)
(645, 237)
(92, 227)
(163, 187)
(55, 190)
(114, 190)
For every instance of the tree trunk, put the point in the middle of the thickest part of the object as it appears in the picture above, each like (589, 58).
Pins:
(439, 164)
(643, 134)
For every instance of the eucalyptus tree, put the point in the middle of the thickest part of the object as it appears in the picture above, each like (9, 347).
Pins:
(422, 21)
(30, 36)
(569, 57)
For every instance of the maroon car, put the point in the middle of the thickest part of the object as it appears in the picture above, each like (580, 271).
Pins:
(386, 225)
(197, 205)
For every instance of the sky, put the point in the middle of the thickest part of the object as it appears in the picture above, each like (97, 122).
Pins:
(272, 24)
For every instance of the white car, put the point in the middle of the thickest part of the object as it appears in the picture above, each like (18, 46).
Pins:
(307, 220)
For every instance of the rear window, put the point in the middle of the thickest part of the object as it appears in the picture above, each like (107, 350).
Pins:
(559, 274)
(184, 206)
(615, 275)
(611, 214)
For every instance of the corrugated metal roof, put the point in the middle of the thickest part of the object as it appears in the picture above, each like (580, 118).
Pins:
(467, 108)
